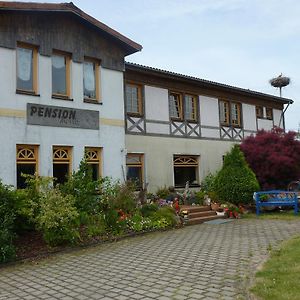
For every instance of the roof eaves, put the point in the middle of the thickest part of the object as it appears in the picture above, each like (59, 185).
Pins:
(70, 7)
(207, 82)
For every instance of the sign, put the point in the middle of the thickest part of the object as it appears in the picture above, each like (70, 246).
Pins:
(56, 116)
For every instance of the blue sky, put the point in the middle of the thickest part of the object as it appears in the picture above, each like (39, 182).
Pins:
(238, 42)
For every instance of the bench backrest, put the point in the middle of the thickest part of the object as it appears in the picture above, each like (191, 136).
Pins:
(275, 196)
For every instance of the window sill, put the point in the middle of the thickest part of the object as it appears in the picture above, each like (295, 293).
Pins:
(193, 121)
(196, 185)
(92, 101)
(177, 120)
(62, 97)
(29, 93)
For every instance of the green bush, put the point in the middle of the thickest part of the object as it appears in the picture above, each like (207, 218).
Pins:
(113, 223)
(7, 223)
(163, 192)
(208, 183)
(83, 188)
(50, 212)
(235, 182)
(148, 209)
(200, 197)
(123, 197)
(164, 217)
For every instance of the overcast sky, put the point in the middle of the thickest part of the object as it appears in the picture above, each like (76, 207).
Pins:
(238, 42)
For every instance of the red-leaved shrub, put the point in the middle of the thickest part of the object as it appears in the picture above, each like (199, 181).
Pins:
(274, 156)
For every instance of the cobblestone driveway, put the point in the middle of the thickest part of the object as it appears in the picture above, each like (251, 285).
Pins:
(198, 262)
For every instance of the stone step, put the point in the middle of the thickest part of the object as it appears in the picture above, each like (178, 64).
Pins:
(193, 209)
(202, 219)
(193, 215)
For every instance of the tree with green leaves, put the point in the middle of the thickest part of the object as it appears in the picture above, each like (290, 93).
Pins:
(235, 182)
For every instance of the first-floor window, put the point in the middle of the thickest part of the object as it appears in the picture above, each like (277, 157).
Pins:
(135, 168)
(27, 163)
(62, 161)
(93, 159)
(186, 170)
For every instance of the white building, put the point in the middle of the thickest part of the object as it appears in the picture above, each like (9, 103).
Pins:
(61, 92)
(62, 95)
(178, 128)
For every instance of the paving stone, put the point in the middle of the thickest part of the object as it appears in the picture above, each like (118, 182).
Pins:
(197, 262)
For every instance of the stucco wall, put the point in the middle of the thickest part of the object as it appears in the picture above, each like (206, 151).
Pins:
(159, 153)
(14, 130)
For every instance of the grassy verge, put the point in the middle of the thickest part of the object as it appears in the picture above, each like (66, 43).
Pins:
(278, 215)
(280, 275)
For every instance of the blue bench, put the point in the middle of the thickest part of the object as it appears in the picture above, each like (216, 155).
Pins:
(276, 198)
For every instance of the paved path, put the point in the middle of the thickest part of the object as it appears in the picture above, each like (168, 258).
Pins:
(196, 262)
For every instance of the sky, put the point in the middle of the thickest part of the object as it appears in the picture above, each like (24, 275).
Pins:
(243, 43)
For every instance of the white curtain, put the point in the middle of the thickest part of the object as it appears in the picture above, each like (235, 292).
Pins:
(89, 76)
(24, 63)
(58, 62)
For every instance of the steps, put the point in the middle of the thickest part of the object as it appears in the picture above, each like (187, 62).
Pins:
(199, 214)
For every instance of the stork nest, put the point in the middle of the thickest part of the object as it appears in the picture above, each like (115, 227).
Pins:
(280, 81)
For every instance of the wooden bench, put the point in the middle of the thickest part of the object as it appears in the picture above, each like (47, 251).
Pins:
(276, 198)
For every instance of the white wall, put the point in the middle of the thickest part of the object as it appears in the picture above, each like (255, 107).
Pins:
(249, 117)
(14, 130)
(209, 111)
(159, 151)
(156, 103)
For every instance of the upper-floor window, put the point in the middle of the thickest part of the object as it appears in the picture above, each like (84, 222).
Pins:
(27, 68)
(230, 113)
(183, 106)
(190, 107)
(176, 107)
(134, 99)
(269, 113)
(61, 75)
(91, 80)
(259, 111)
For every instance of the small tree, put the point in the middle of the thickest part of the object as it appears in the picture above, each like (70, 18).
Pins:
(274, 156)
(235, 182)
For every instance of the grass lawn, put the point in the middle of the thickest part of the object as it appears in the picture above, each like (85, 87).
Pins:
(280, 275)
(278, 215)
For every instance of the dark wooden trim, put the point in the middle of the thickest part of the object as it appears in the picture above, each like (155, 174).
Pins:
(29, 93)
(61, 97)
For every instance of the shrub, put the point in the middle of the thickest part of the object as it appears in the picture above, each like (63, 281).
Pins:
(235, 182)
(57, 218)
(274, 157)
(208, 183)
(164, 217)
(113, 222)
(51, 212)
(148, 209)
(7, 223)
(123, 197)
(200, 197)
(163, 192)
(83, 188)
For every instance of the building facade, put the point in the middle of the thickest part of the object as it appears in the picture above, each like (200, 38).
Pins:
(178, 128)
(66, 93)
(61, 92)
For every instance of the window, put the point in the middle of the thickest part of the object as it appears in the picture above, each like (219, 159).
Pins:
(259, 112)
(230, 113)
(62, 161)
(269, 113)
(27, 68)
(27, 163)
(224, 113)
(135, 168)
(61, 75)
(91, 80)
(93, 159)
(191, 107)
(176, 108)
(134, 99)
(185, 169)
